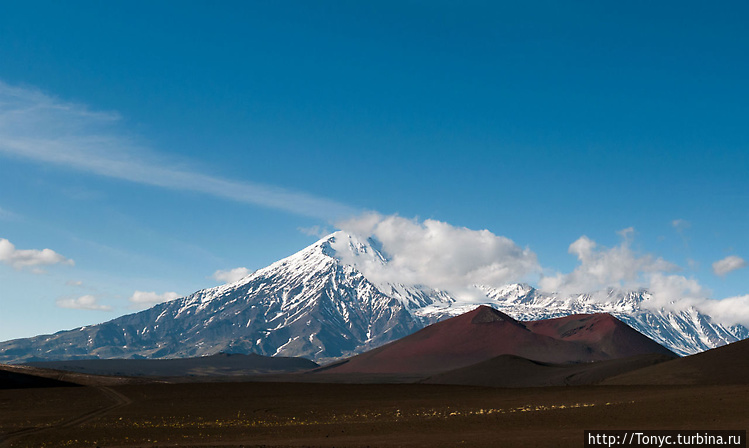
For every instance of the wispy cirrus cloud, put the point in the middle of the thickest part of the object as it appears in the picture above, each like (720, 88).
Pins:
(30, 258)
(680, 225)
(318, 231)
(39, 127)
(6, 215)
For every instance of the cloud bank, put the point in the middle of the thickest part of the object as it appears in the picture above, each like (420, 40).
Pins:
(601, 268)
(728, 264)
(87, 302)
(620, 267)
(41, 128)
(232, 275)
(439, 255)
(30, 258)
(731, 310)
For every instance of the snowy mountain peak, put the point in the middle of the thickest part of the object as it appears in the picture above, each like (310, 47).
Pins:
(352, 249)
(337, 298)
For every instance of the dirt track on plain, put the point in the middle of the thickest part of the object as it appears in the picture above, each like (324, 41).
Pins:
(118, 400)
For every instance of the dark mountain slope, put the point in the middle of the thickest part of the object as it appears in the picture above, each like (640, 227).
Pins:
(485, 333)
(720, 366)
(513, 371)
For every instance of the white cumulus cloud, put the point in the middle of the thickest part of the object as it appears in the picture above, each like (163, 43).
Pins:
(601, 267)
(87, 302)
(440, 255)
(620, 267)
(144, 299)
(730, 311)
(29, 258)
(728, 264)
(231, 275)
(676, 291)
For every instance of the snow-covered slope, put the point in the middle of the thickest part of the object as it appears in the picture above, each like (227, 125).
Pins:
(309, 304)
(685, 331)
(318, 304)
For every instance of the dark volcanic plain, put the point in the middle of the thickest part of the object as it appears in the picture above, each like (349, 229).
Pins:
(253, 414)
(322, 408)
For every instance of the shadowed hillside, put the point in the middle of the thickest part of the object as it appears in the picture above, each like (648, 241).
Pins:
(485, 333)
(720, 366)
(513, 371)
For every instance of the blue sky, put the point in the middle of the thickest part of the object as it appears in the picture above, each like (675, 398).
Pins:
(151, 144)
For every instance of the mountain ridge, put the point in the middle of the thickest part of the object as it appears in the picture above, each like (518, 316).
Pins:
(486, 333)
(317, 305)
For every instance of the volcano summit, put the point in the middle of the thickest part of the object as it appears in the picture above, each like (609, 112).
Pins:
(319, 304)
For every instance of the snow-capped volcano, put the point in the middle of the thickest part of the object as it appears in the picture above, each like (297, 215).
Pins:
(319, 304)
(309, 304)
